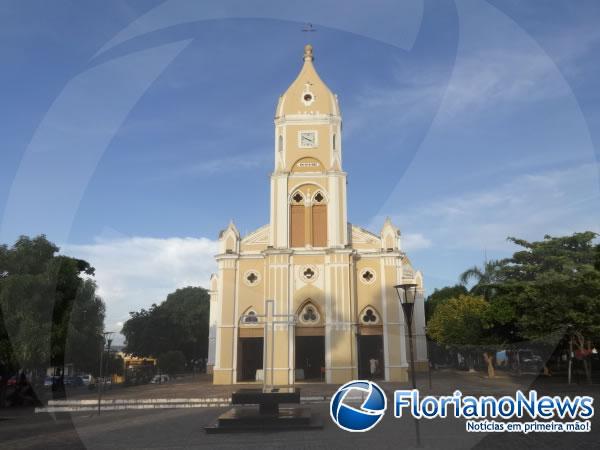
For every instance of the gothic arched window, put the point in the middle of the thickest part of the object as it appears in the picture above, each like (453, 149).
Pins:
(369, 316)
(309, 315)
(250, 318)
(308, 217)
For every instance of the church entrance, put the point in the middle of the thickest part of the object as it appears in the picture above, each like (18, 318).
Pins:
(250, 357)
(370, 356)
(310, 358)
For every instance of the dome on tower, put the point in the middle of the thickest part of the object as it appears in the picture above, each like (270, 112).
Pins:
(308, 94)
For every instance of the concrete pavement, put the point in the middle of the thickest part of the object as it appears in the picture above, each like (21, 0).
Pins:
(183, 428)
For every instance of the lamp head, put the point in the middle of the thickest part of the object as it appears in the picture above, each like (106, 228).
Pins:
(406, 288)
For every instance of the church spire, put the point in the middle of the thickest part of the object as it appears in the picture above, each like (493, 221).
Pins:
(308, 94)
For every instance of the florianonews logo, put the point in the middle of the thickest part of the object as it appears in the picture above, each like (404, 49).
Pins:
(363, 418)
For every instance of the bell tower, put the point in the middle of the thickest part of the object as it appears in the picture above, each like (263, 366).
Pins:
(308, 185)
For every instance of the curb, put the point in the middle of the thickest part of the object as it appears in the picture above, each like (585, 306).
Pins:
(55, 406)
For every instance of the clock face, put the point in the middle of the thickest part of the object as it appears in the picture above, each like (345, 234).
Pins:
(308, 139)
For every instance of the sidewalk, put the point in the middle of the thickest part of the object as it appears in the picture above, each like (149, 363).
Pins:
(199, 392)
(443, 382)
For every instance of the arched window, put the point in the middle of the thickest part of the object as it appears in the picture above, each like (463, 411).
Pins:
(308, 217)
(334, 141)
(319, 220)
(280, 143)
(297, 229)
(369, 316)
(309, 314)
(250, 318)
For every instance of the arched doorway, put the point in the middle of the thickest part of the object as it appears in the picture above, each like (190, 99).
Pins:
(250, 347)
(309, 344)
(371, 361)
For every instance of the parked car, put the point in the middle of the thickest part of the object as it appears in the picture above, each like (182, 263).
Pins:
(106, 381)
(526, 361)
(73, 381)
(159, 379)
(86, 379)
(49, 381)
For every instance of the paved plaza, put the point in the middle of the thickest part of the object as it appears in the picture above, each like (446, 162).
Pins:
(184, 428)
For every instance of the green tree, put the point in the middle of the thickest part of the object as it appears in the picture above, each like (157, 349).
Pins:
(461, 323)
(42, 299)
(172, 362)
(485, 278)
(552, 285)
(85, 327)
(440, 296)
(180, 323)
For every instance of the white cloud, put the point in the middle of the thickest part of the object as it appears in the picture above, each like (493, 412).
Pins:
(414, 241)
(489, 77)
(497, 64)
(134, 272)
(555, 202)
(238, 162)
(484, 79)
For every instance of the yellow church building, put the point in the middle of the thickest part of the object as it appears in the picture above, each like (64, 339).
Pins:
(331, 279)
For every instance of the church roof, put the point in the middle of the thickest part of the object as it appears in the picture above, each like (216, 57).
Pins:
(308, 94)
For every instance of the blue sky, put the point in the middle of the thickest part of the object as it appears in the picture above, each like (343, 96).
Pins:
(133, 131)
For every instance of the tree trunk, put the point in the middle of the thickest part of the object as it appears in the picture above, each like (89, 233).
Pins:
(589, 363)
(587, 369)
(3, 384)
(471, 362)
(581, 345)
(489, 359)
(570, 372)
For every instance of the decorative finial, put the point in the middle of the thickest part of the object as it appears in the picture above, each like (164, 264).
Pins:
(308, 53)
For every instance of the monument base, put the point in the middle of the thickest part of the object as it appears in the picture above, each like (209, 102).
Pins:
(269, 416)
(246, 418)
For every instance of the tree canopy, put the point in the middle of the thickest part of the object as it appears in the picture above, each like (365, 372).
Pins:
(485, 278)
(440, 296)
(546, 289)
(550, 285)
(172, 362)
(49, 311)
(460, 321)
(180, 323)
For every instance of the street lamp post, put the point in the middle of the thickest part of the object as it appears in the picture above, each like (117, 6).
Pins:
(408, 305)
(429, 362)
(105, 337)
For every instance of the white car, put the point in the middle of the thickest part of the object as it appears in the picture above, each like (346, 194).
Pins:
(159, 379)
(87, 379)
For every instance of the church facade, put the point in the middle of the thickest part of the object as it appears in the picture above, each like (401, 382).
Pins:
(331, 281)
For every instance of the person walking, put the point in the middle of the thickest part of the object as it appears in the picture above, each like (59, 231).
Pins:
(373, 363)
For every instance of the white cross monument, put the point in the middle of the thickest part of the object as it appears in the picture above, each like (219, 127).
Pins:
(270, 318)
